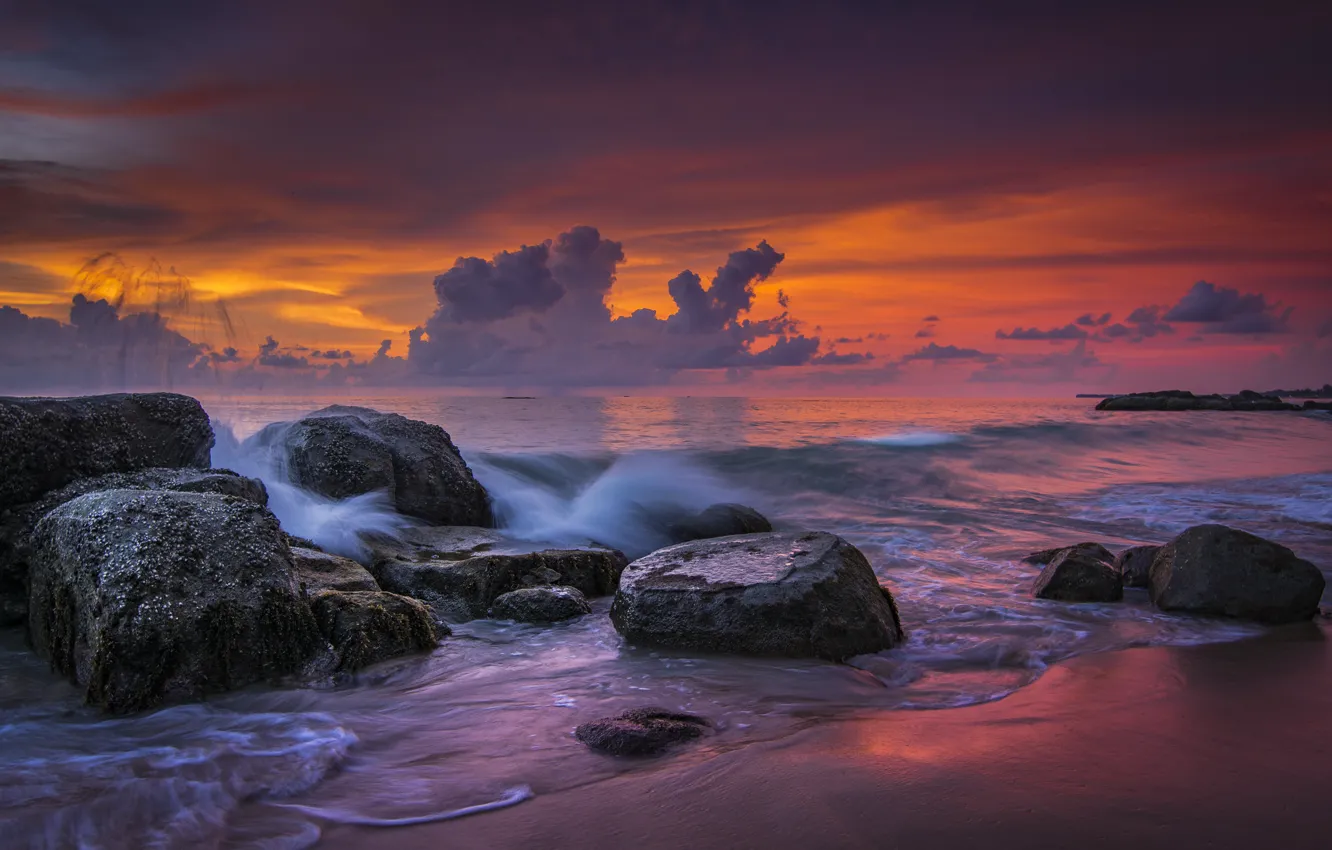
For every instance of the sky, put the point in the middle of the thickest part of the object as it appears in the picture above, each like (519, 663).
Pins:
(666, 198)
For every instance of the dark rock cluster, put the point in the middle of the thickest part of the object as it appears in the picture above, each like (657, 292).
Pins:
(1177, 400)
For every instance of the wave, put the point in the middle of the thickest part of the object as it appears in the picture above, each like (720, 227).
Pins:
(913, 439)
(627, 502)
(337, 525)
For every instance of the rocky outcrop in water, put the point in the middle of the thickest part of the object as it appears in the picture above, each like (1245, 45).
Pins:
(540, 605)
(1178, 400)
(1080, 573)
(1221, 571)
(808, 594)
(1135, 565)
(346, 451)
(641, 731)
(143, 598)
(46, 443)
(365, 627)
(17, 522)
(721, 520)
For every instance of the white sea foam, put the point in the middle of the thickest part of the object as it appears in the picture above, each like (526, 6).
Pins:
(913, 439)
(335, 524)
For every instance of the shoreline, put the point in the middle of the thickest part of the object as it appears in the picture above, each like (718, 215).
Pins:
(1219, 745)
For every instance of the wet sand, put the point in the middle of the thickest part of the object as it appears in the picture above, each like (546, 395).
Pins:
(1220, 746)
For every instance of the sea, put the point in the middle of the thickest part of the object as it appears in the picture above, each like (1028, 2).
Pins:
(943, 496)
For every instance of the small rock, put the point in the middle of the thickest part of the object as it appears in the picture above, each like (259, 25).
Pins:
(365, 627)
(641, 731)
(721, 520)
(1135, 565)
(1080, 574)
(321, 571)
(1221, 571)
(540, 605)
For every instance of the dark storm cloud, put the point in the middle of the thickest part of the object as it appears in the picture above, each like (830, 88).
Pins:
(337, 119)
(477, 290)
(1067, 332)
(1219, 309)
(948, 353)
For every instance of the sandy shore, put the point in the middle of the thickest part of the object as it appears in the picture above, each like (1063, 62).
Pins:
(1217, 746)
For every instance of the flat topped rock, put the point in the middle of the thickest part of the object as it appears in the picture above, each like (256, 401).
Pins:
(800, 594)
(735, 561)
(454, 543)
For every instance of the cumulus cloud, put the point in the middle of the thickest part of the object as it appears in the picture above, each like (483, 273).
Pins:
(1219, 309)
(1143, 323)
(931, 319)
(948, 353)
(1068, 332)
(541, 316)
(924, 333)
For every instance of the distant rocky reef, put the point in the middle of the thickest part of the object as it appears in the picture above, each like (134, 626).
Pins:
(1176, 400)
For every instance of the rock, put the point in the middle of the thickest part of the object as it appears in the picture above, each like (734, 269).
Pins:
(641, 731)
(346, 451)
(808, 594)
(316, 571)
(1135, 565)
(46, 443)
(365, 627)
(1176, 400)
(1080, 574)
(721, 520)
(17, 522)
(1045, 556)
(465, 589)
(1212, 569)
(144, 598)
(540, 605)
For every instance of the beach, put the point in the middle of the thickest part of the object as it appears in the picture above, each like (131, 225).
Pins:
(1223, 745)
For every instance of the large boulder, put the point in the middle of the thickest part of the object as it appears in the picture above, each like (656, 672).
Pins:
(721, 520)
(807, 594)
(346, 451)
(540, 605)
(316, 571)
(1045, 556)
(1221, 571)
(641, 731)
(365, 627)
(461, 590)
(1080, 574)
(143, 598)
(46, 443)
(17, 522)
(1135, 565)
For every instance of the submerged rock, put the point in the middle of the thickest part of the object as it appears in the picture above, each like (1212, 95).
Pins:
(346, 451)
(366, 627)
(1135, 565)
(17, 522)
(1221, 571)
(721, 520)
(144, 598)
(465, 589)
(1045, 556)
(808, 594)
(46, 443)
(316, 571)
(540, 605)
(1080, 574)
(641, 731)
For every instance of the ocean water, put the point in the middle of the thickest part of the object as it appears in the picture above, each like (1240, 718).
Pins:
(943, 496)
